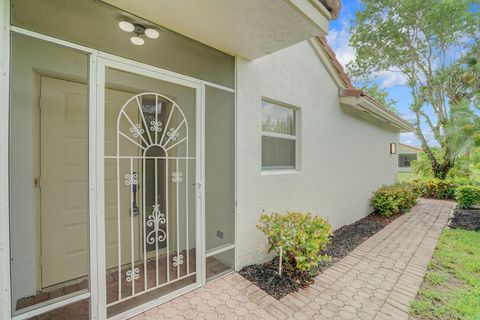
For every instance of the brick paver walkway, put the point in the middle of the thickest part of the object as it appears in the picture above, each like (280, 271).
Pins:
(377, 280)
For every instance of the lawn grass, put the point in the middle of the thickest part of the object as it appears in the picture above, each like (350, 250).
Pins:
(451, 287)
(404, 176)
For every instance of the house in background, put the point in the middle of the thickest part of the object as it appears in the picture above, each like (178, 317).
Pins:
(141, 141)
(407, 154)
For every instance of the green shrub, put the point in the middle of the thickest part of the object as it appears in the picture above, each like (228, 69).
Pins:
(467, 182)
(390, 200)
(436, 188)
(463, 182)
(418, 188)
(301, 237)
(467, 196)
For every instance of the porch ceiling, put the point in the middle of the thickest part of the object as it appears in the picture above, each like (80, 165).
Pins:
(246, 28)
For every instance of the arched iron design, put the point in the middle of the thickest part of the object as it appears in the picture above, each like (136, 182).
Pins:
(146, 130)
(154, 133)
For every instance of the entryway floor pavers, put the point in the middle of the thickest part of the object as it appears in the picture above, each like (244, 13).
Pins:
(377, 280)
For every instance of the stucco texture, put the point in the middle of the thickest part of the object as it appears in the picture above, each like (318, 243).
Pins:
(344, 153)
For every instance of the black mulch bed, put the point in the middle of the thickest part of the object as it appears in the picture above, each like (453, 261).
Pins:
(468, 219)
(343, 241)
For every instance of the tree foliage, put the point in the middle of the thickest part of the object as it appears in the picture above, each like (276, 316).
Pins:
(422, 40)
(422, 166)
(379, 95)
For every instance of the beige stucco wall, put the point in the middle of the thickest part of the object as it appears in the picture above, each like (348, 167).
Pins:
(344, 154)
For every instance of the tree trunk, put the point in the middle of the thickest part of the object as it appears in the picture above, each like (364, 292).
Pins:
(440, 170)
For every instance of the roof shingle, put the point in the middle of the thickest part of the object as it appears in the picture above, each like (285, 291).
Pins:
(333, 6)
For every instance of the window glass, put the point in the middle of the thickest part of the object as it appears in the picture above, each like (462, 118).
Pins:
(278, 153)
(279, 136)
(277, 119)
(405, 160)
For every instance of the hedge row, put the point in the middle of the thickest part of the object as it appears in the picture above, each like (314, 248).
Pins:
(400, 198)
(467, 196)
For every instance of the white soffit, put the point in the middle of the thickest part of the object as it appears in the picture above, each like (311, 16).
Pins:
(368, 106)
(245, 28)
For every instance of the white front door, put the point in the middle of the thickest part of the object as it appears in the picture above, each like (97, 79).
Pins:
(152, 200)
(63, 174)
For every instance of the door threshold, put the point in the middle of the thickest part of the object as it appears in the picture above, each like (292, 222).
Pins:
(50, 305)
(155, 303)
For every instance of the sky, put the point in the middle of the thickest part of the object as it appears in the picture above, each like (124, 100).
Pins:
(393, 82)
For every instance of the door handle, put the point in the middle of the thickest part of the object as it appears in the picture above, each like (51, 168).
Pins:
(134, 208)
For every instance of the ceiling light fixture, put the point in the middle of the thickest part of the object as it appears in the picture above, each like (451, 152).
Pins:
(136, 40)
(151, 33)
(138, 30)
(126, 26)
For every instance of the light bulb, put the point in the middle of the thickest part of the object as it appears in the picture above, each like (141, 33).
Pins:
(126, 26)
(137, 41)
(151, 33)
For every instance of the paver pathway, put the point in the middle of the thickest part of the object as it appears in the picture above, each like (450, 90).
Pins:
(377, 280)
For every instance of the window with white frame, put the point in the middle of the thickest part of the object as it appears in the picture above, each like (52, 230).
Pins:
(405, 160)
(279, 136)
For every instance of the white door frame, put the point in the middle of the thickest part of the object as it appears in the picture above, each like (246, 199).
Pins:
(104, 61)
(5, 294)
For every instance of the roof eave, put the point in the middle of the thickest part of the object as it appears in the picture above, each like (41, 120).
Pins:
(352, 96)
(323, 9)
(368, 105)
(411, 147)
(330, 8)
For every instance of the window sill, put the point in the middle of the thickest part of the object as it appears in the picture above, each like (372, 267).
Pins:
(280, 171)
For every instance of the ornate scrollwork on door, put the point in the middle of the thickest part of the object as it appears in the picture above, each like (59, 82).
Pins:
(155, 220)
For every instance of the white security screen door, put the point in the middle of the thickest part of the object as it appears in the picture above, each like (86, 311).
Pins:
(151, 167)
